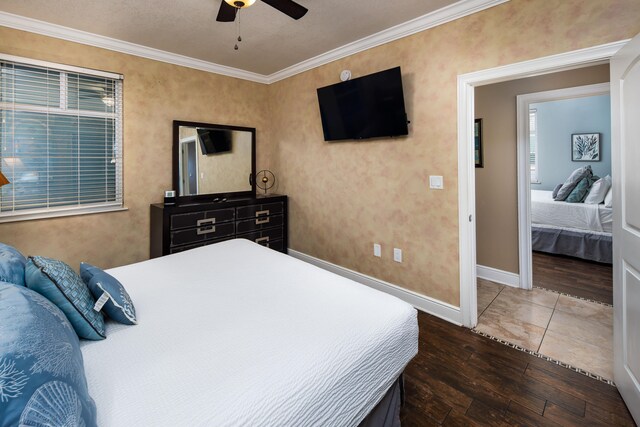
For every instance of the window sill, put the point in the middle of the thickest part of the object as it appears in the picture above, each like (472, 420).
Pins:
(58, 213)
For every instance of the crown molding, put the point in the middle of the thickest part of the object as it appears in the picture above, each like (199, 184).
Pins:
(65, 33)
(441, 16)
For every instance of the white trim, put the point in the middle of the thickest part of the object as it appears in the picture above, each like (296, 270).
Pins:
(499, 276)
(60, 212)
(71, 68)
(424, 303)
(449, 13)
(525, 255)
(441, 16)
(58, 31)
(466, 166)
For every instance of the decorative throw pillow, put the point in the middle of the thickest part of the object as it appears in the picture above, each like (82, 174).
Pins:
(608, 199)
(554, 194)
(571, 182)
(12, 264)
(42, 379)
(61, 285)
(109, 293)
(580, 191)
(598, 191)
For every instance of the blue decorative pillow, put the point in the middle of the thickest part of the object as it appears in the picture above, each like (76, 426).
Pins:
(12, 265)
(109, 293)
(61, 285)
(580, 191)
(42, 380)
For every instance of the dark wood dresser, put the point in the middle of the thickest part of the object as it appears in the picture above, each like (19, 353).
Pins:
(177, 228)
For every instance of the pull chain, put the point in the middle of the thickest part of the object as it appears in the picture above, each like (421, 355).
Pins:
(238, 27)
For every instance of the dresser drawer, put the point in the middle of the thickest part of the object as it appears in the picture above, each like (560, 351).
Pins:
(204, 218)
(259, 223)
(264, 236)
(198, 234)
(254, 211)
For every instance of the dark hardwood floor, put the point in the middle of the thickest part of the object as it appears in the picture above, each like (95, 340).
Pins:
(573, 276)
(460, 378)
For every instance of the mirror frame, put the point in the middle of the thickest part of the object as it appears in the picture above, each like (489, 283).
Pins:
(211, 196)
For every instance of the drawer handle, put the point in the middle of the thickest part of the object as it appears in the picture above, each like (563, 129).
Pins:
(206, 230)
(262, 220)
(263, 239)
(208, 221)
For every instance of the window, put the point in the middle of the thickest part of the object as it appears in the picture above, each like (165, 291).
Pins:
(60, 139)
(533, 145)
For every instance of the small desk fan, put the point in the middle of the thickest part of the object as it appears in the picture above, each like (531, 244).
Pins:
(265, 180)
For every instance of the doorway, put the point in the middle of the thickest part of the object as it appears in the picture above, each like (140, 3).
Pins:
(541, 320)
(466, 159)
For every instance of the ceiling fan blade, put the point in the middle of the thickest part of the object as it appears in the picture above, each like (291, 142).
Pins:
(227, 13)
(288, 7)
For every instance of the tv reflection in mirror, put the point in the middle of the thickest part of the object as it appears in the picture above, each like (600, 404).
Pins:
(214, 141)
(213, 161)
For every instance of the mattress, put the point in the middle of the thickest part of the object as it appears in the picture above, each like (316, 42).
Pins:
(580, 216)
(237, 334)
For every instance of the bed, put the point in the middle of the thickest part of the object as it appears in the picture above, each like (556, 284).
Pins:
(237, 334)
(573, 229)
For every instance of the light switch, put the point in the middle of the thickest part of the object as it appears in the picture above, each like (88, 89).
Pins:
(377, 250)
(436, 182)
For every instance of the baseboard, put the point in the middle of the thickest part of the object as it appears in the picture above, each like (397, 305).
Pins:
(424, 303)
(498, 276)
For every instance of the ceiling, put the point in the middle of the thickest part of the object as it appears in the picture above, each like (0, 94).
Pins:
(271, 40)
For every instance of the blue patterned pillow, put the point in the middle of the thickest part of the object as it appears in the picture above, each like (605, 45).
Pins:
(109, 294)
(61, 285)
(42, 380)
(12, 265)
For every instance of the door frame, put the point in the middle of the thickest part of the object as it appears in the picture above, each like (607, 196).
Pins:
(524, 176)
(466, 165)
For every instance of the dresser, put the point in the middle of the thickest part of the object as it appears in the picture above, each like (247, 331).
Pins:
(177, 228)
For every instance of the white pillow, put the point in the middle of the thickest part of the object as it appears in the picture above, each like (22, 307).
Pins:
(608, 200)
(598, 191)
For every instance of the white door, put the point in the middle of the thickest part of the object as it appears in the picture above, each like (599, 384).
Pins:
(625, 130)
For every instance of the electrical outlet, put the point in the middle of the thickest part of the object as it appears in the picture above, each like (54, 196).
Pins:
(377, 250)
(397, 255)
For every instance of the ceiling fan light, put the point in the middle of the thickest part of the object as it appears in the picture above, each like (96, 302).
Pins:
(240, 4)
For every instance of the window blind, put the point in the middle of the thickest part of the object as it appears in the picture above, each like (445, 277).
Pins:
(60, 139)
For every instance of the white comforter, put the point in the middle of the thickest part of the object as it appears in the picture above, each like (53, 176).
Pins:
(547, 212)
(234, 334)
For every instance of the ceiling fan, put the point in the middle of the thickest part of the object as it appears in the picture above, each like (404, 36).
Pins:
(229, 8)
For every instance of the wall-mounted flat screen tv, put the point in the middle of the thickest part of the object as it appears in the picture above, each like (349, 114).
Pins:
(367, 107)
(214, 141)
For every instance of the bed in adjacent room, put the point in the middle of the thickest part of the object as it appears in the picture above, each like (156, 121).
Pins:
(237, 334)
(574, 229)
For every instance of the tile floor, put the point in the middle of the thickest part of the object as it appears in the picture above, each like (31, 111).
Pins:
(571, 330)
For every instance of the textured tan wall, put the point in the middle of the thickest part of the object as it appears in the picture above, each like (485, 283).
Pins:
(496, 183)
(345, 196)
(154, 96)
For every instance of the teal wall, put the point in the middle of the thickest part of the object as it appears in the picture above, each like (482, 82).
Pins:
(557, 120)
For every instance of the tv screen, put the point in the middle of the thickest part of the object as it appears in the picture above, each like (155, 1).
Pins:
(214, 141)
(367, 107)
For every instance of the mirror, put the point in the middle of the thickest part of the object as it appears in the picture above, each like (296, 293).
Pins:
(211, 160)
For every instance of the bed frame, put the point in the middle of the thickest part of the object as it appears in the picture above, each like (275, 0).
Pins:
(589, 245)
(387, 412)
